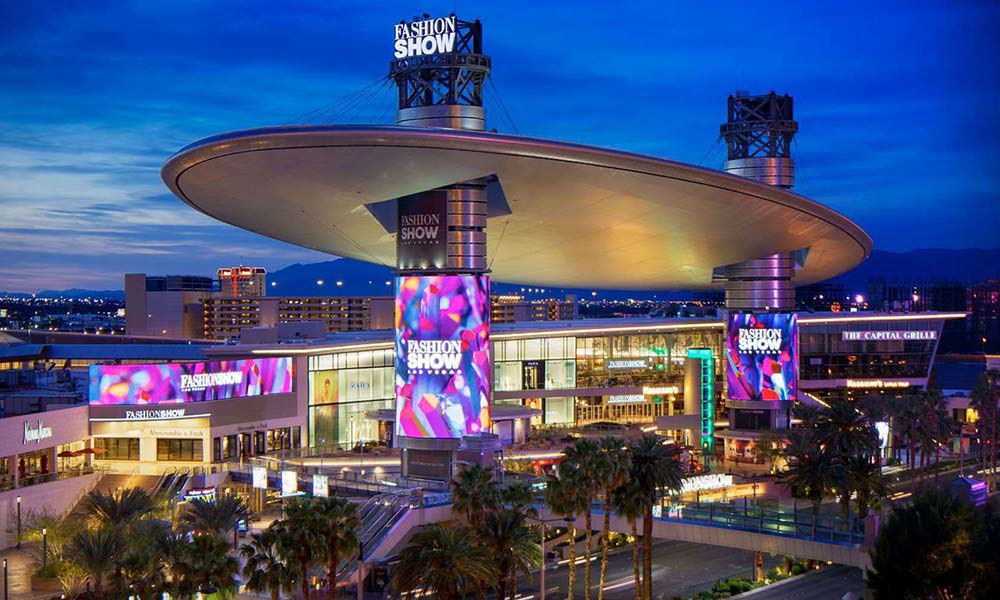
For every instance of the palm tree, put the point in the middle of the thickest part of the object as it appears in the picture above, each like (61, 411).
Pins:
(628, 501)
(655, 466)
(845, 430)
(95, 551)
(215, 517)
(474, 491)
(565, 497)
(444, 560)
(203, 564)
(583, 459)
(141, 565)
(264, 569)
(865, 477)
(339, 525)
(512, 546)
(613, 472)
(299, 540)
(984, 399)
(117, 509)
(520, 497)
(811, 473)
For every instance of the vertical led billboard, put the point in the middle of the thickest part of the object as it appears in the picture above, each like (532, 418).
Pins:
(762, 356)
(442, 355)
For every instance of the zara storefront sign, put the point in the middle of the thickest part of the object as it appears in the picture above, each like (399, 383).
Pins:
(894, 336)
(37, 433)
(422, 38)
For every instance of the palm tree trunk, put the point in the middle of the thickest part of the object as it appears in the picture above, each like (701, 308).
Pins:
(275, 594)
(572, 560)
(635, 560)
(331, 574)
(513, 581)
(604, 543)
(501, 590)
(647, 554)
(305, 580)
(586, 565)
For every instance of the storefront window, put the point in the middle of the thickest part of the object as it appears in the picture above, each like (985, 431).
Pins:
(179, 449)
(117, 448)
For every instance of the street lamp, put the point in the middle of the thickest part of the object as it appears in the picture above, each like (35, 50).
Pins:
(45, 547)
(543, 522)
(5, 596)
(18, 521)
(361, 564)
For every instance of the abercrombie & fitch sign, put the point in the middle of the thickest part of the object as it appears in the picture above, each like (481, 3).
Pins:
(422, 231)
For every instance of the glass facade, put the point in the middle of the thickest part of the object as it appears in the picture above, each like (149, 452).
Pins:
(825, 354)
(343, 387)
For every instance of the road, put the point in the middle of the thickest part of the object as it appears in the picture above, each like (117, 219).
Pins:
(830, 583)
(679, 569)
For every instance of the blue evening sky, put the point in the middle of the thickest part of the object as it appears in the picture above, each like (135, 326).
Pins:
(898, 106)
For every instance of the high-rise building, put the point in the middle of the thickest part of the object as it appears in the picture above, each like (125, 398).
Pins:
(224, 317)
(514, 308)
(241, 282)
(984, 322)
(165, 306)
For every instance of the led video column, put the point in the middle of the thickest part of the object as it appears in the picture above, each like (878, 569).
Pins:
(762, 355)
(442, 355)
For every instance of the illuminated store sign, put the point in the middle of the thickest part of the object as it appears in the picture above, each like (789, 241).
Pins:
(155, 414)
(442, 356)
(180, 383)
(259, 475)
(37, 433)
(629, 363)
(206, 494)
(875, 384)
(701, 483)
(321, 485)
(421, 38)
(622, 398)
(895, 336)
(665, 389)
(422, 231)
(762, 356)
(289, 483)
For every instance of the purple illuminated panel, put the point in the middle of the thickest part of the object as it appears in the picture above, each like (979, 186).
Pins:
(178, 383)
(762, 356)
(442, 355)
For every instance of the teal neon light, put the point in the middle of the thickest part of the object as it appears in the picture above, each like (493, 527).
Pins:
(707, 386)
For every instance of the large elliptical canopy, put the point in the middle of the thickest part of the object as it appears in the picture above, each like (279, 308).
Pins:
(579, 216)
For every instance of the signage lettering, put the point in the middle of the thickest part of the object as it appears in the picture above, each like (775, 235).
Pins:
(201, 381)
(713, 481)
(667, 389)
(876, 383)
(421, 38)
(622, 398)
(629, 363)
(37, 433)
(433, 356)
(878, 336)
(153, 414)
(754, 340)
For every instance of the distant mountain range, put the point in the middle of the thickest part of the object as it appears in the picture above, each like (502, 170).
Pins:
(346, 277)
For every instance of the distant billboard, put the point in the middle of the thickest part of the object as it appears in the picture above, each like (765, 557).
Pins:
(762, 356)
(442, 355)
(179, 383)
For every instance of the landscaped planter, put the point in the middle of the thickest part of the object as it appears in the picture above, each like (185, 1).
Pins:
(45, 584)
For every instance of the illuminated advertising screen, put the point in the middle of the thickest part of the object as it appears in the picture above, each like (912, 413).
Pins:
(442, 355)
(179, 383)
(259, 475)
(762, 356)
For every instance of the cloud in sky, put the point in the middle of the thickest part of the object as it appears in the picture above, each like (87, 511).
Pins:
(896, 104)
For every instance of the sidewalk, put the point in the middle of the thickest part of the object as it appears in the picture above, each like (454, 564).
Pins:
(19, 572)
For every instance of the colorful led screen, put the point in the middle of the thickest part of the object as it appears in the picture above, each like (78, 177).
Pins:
(762, 356)
(178, 383)
(442, 355)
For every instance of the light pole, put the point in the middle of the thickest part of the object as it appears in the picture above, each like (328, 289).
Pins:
(18, 521)
(45, 547)
(5, 596)
(541, 575)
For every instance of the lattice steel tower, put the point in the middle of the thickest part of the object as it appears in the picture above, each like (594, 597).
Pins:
(759, 131)
(445, 89)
